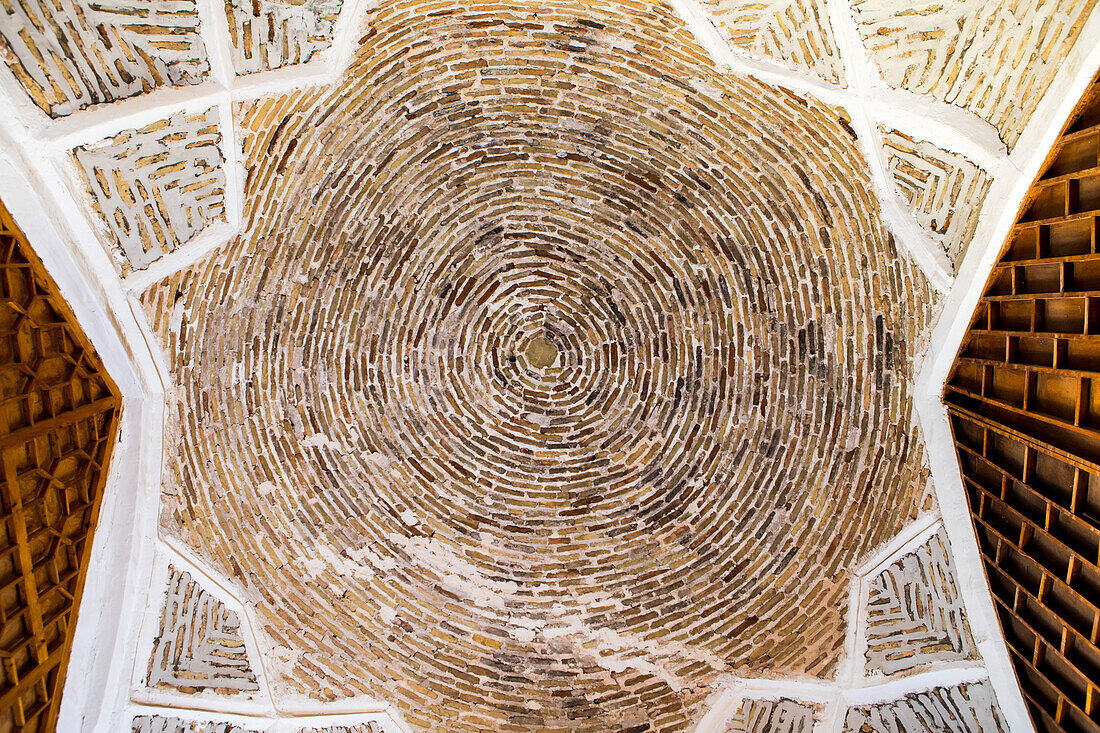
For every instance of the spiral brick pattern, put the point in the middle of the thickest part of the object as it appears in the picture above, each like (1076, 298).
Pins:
(554, 375)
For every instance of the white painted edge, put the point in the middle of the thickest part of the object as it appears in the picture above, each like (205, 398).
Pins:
(43, 206)
(895, 688)
(944, 125)
(283, 724)
(248, 722)
(909, 539)
(927, 254)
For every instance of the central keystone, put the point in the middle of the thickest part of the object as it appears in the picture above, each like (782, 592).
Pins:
(541, 353)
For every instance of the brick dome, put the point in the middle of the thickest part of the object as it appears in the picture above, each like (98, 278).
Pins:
(553, 376)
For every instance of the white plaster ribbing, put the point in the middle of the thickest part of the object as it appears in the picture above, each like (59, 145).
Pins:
(944, 125)
(928, 255)
(345, 37)
(214, 31)
(894, 688)
(869, 102)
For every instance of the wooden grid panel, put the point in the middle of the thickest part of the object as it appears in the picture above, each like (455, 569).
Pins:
(1026, 421)
(58, 421)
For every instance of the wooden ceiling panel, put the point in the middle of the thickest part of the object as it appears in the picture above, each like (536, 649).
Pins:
(58, 424)
(1026, 421)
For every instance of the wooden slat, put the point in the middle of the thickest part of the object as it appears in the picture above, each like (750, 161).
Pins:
(1020, 400)
(49, 516)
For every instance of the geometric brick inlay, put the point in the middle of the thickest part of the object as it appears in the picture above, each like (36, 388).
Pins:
(269, 34)
(915, 615)
(368, 727)
(161, 724)
(199, 645)
(944, 190)
(69, 54)
(995, 58)
(157, 187)
(794, 33)
(968, 708)
(772, 716)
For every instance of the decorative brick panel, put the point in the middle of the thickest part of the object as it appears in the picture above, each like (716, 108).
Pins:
(157, 187)
(945, 191)
(199, 645)
(969, 708)
(915, 615)
(270, 34)
(69, 54)
(996, 59)
(794, 33)
(161, 724)
(772, 716)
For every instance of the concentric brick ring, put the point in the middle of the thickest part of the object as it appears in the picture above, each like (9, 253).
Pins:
(425, 511)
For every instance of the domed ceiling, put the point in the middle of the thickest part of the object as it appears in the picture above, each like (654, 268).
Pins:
(549, 373)
(553, 376)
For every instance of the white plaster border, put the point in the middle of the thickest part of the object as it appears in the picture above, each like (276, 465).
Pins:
(1010, 183)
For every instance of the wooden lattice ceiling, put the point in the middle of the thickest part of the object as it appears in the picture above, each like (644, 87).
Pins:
(58, 426)
(1027, 427)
